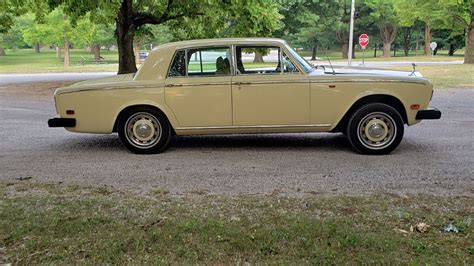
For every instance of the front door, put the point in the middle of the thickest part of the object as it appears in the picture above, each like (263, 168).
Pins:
(268, 90)
(198, 87)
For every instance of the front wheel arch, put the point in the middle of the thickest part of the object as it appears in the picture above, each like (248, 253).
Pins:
(375, 129)
(379, 98)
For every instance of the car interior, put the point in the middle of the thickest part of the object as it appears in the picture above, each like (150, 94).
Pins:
(215, 61)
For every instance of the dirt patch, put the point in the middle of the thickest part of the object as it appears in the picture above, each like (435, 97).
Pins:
(35, 90)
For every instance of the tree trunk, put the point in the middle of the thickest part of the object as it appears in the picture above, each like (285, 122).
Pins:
(388, 32)
(342, 37)
(258, 58)
(66, 52)
(345, 50)
(375, 50)
(313, 53)
(2, 51)
(58, 53)
(452, 49)
(124, 33)
(386, 49)
(96, 51)
(136, 52)
(37, 48)
(417, 46)
(427, 51)
(469, 50)
(407, 33)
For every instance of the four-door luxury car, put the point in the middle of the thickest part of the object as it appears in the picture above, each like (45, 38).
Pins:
(248, 85)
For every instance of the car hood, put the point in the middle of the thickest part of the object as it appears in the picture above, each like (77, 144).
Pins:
(95, 83)
(366, 72)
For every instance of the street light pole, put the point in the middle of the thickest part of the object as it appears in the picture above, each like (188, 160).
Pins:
(351, 35)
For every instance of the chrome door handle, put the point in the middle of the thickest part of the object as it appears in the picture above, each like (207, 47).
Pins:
(173, 85)
(242, 83)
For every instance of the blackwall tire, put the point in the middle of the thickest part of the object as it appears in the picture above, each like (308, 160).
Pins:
(375, 129)
(144, 130)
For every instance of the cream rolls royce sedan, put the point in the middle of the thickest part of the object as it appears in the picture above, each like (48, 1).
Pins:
(245, 85)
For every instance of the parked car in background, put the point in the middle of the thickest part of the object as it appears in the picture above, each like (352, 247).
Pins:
(143, 55)
(246, 85)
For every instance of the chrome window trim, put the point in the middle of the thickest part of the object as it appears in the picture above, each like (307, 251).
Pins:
(186, 61)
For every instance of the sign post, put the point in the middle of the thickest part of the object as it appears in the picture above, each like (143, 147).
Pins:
(351, 35)
(363, 42)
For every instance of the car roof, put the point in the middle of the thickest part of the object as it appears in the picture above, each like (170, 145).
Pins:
(221, 41)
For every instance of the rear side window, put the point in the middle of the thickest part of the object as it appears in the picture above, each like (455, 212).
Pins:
(212, 61)
(209, 62)
(178, 67)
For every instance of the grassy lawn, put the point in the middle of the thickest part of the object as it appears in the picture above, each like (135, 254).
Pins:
(68, 224)
(447, 76)
(27, 61)
(400, 56)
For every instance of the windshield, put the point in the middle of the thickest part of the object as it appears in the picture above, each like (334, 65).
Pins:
(304, 64)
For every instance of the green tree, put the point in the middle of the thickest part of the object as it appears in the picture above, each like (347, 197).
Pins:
(13, 39)
(383, 13)
(8, 10)
(310, 27)
(363, 23)
(35, 33)
(460, 18)
(427, 11)
(131, 15)
(93, 35)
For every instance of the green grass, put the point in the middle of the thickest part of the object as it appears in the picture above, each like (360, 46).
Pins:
(68, 224)
(400, 56)
(27, 61)
(447, 76)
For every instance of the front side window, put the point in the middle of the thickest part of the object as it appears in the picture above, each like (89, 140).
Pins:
(288, 66)
(303, 63)
(258, 60)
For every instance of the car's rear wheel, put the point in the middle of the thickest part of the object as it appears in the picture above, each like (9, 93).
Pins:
(144, 130)
(375, 129)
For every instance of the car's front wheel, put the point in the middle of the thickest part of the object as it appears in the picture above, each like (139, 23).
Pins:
(375, 129)
(144, 130)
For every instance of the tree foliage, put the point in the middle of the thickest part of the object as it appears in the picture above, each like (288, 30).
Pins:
(313, 24)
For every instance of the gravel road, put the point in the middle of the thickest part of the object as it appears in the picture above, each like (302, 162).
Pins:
(435, 157)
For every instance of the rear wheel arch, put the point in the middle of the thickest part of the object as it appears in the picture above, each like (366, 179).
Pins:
(378, 98)
(137, 106)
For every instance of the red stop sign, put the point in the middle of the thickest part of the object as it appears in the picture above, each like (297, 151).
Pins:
(363, 40)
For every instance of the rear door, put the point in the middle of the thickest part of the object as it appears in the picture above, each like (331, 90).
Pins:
(198, 87)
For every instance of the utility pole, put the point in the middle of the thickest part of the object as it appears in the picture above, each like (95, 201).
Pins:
(351, 35)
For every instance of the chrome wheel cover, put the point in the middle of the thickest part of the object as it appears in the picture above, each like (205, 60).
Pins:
(143, 130)
(376, 130)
